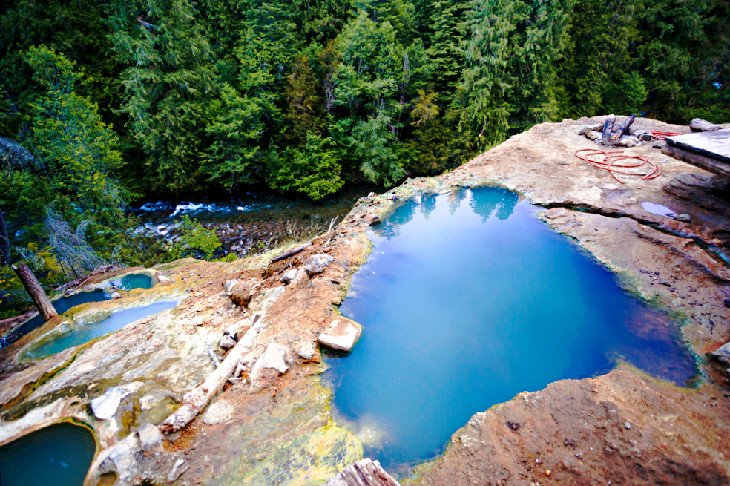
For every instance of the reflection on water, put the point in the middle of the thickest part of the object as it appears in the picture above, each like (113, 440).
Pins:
(468, 299)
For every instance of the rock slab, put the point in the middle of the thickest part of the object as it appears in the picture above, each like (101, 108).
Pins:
(365, 472)
(341, 334)
(106, 405)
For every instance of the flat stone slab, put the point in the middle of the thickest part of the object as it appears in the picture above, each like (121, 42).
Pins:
(341, 334)
(714, 144)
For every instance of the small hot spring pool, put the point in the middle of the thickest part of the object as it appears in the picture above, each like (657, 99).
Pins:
(59, 455)
(133, 281)
(64, 303)
(82, 333)
(468, 299)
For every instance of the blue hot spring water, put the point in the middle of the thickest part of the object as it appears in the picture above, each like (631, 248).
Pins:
(82, 333)
(58, 455)
(468, 299)
(134, 281)
(66, 302)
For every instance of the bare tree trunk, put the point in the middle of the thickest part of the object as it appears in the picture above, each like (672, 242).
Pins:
(4, 242)
(36, 292)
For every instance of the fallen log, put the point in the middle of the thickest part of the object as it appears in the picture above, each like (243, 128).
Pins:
(198, 398)
(623, 129)
(291, 252)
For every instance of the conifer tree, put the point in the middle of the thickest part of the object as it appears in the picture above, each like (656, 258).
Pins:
(166, 78)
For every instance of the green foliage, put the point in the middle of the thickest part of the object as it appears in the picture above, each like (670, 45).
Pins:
(374, 141)
(313, 170)
(196, 240)
(510, 66)
(167, 76)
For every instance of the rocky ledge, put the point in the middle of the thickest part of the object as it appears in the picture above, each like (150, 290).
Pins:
(226, 387)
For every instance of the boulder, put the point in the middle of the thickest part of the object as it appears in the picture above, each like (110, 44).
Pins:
(341, 334)
(227, 341)
(105, 406)
(289, 276)
(317, 263)
(242, 293)
(700, 125)
(274, 358)
(228, 286)
(123, 460)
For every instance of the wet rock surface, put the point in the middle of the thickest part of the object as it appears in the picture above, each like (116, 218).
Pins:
(341, 334)
(280, 431)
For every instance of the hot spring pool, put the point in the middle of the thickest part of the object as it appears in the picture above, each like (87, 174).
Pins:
(468, 299)
(64, 303)
(82, 333)
(58, 455)
(134, 281)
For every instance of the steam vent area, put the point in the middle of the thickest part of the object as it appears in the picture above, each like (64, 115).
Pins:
(546, 313)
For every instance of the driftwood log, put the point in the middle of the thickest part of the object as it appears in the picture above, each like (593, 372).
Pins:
(291, 252)
(363, 473)
(197, 399)
(610, 134)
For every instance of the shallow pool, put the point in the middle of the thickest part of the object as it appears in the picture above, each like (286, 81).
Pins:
(58, 455)
(134, 281)
(468, 299)
(66, 302)
(82, 333)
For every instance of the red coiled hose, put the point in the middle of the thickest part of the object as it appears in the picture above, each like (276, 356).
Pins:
(616, 162)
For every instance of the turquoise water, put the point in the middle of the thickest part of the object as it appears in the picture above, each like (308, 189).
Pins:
(468, 299)
(59, 455)
(134, 281)
(83, 333)
(64, 303)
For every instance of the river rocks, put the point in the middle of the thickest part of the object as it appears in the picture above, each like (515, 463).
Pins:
(219, 412)
(106, 405)
(341, 334)
(365, 472)
(273, 359)
(317, 263)
(700, 125)
(150, 437)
